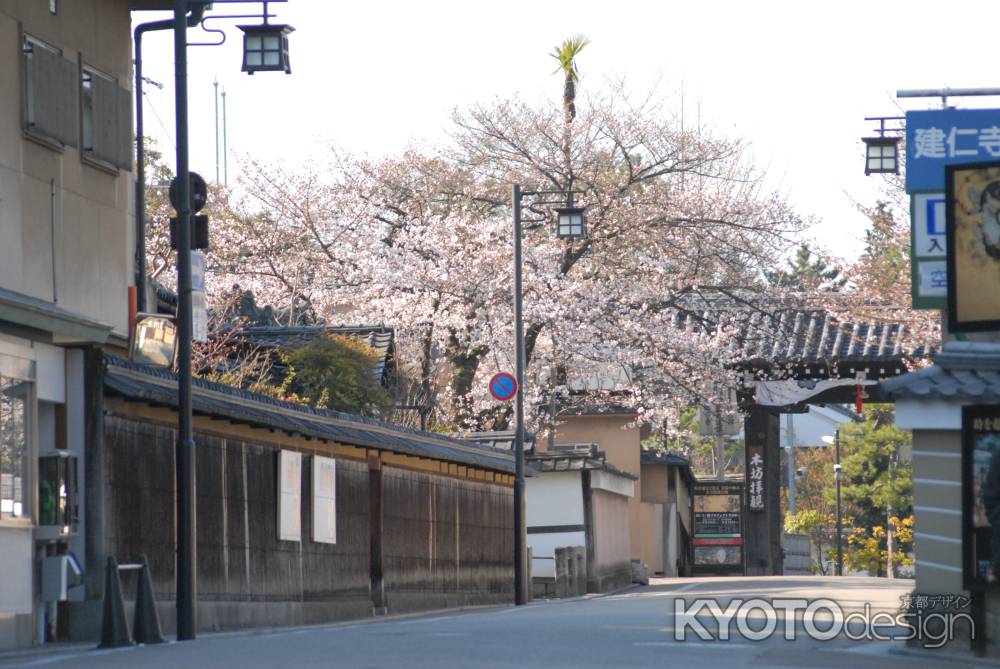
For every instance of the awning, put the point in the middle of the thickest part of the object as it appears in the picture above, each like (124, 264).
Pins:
(66, 326)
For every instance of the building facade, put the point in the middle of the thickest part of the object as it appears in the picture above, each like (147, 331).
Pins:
(65, 269)
(576, 498)
(930, 402)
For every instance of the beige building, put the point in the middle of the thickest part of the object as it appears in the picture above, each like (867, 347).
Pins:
(65, 269)
(666, 507)
(612, 432)
(659, 512)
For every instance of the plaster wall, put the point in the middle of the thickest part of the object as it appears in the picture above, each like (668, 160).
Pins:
(66, 233)
(621, 444)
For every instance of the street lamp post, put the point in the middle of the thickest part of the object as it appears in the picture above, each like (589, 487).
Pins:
(840, 526)
(185, 458)
(835, 442)
(570, 224)
(187, 590)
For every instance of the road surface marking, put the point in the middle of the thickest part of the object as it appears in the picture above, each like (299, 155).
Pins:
(726, 645)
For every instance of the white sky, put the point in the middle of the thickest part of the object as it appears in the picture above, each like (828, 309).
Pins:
(795, 78)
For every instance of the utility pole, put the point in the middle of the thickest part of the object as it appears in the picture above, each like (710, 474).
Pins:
(216, 84)
(520, 585)
(840, 524)
(225, 142)
(720, 447)
(790, 441)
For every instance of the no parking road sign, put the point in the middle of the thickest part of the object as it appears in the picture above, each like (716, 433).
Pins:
(503, 386)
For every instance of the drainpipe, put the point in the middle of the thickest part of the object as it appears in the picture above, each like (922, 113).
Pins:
(194, 18)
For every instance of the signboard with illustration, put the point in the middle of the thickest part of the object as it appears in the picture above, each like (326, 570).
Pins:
(936, 139)
(972, 193)
(718, 526)
(981, 495)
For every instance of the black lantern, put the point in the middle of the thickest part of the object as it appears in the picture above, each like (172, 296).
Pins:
(881, 155)
(570, 223)
(265, 48)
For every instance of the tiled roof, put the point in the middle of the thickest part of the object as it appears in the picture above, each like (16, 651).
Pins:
(782, 332)
(658, 457)
(567, 461)
(157, 386)
(961, 371)
(502, 439)
(289, 337)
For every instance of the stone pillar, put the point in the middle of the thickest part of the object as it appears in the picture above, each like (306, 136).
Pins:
(580, 558)
(562, 573)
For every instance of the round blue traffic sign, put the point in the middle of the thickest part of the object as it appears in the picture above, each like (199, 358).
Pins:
(503, 386)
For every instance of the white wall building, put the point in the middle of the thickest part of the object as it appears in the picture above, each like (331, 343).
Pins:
(65, 269)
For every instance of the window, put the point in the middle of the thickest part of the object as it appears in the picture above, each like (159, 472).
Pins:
(87, 104)
(50, 102)
(15, 453)
(880, 155)
(263, 50)
(105, 115)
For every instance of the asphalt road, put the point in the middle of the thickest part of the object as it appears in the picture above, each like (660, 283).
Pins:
(632, 629)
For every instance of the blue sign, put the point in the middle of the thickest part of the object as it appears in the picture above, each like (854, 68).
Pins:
(935, 138)
(503, 386)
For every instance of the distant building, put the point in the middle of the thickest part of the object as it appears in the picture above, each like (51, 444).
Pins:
(667, 482)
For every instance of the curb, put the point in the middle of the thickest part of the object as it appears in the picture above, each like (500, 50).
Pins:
(961, 659)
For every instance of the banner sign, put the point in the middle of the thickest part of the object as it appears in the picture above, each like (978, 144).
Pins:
(199, 305)
(973, 225)
(980, 495)
(939, 137)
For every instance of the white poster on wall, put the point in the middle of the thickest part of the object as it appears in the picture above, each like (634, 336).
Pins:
(324, 487)
(289, 496)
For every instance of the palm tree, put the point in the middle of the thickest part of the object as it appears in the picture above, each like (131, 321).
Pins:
(566, 54)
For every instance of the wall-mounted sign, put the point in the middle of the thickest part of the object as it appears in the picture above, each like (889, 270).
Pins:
(289, 496)
(718, 525)
(980, 495)
(939, 137)
(324, 493)
(973, 226)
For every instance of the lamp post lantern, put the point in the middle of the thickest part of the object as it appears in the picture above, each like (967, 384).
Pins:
(571, 223)
(265, 48)
(574, 221)
(882, 150)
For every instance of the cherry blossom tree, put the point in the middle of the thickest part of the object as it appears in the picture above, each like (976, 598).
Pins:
(422, 241)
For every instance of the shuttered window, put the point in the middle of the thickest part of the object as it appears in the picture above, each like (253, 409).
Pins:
(107, 119)
(50, 93)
